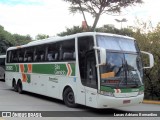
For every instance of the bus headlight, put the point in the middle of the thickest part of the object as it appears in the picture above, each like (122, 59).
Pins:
(107, 93)
(140, 92)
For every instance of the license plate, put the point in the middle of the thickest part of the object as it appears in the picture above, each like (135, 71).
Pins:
(126, 101)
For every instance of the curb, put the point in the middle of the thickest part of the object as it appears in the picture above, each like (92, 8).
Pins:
(151, 102)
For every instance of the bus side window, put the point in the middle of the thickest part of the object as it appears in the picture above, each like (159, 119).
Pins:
(42, 57)
(67, 56)
(8, 56)
(2, 61)
(14, 57)
(67, 50)
(20, 55)
(39, 54)
(20, 59)
(25, 58)
(28, 57)
(52, 56)
(52, 53)
(37, 57)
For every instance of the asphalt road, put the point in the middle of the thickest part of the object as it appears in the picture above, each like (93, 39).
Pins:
(13, 101)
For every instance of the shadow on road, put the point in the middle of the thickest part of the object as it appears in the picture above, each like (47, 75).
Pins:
(83, 111)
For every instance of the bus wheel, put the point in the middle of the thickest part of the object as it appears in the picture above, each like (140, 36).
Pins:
(68, 97)
(19, 87)
(15, 86)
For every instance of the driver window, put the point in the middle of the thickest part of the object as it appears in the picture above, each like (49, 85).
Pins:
(91, 73)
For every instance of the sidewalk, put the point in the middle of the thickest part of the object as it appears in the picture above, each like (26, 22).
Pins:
(151, 102)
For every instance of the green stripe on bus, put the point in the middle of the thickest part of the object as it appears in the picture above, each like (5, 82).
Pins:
(54, 69)
(73, 69)
(25, 68)
(124, 90)
(42, 68)
(107, 89)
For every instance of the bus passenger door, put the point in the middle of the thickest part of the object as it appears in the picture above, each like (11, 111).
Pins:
(88, 73)
(91, 83)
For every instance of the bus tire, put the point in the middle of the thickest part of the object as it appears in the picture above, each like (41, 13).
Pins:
(15, 86)
(20, 87)
(68, 97)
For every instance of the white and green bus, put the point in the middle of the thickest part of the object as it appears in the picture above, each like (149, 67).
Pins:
(99, 70)
(2, 66)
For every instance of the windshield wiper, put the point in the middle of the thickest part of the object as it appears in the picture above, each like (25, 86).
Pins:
(134, 79)
(130, 73)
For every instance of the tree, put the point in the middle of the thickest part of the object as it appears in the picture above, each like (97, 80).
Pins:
(7, 39)
(21, 39)
(41, 36)
(98, 7)
(105, 29)
(70, 31)
(112, 29)
(148, 40)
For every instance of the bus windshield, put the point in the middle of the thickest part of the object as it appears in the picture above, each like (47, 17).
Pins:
(117, 43)
(123, 68)
(121, 71)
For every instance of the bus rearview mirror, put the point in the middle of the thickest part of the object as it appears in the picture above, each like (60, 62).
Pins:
(102, 55)
(151, 59)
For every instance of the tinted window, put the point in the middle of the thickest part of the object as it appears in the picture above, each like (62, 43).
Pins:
(67, 50)
(61, 51)
(2, 61)
(8, 56)
(14, 56)
(87, 61)
(29, 54)
(21, 55)
(40, 52)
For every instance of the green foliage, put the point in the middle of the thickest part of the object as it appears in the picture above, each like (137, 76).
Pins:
(105, 29)
(112, 29)
(7, 39)
(149, 40)
(41, 36)
(70, 31)
(20, 39)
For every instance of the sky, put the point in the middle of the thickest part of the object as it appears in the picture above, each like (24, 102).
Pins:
(52, 16)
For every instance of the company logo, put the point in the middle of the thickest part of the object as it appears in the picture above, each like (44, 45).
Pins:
(59, 71)
(9, 68)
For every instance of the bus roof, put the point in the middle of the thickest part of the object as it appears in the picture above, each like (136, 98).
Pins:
(55, 39)
(2, 56)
